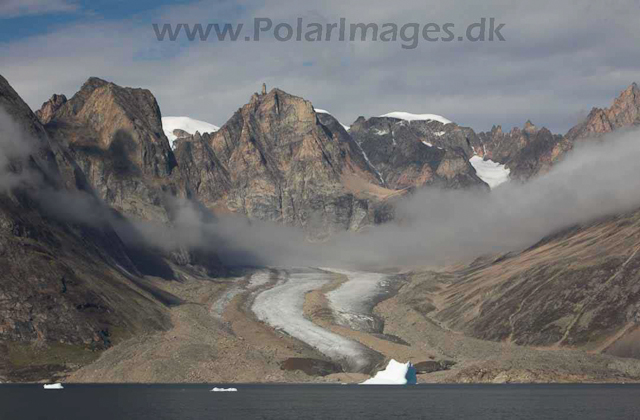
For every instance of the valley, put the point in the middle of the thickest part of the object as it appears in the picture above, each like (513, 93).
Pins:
(284, 246)
(284, 328)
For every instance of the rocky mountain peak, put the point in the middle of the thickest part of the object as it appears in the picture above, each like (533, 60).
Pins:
(529, 127)
(117, 117)
(115, 134)
(277, 159)
(419, 152)
(49, 108)
(624, 112)
(525, 151)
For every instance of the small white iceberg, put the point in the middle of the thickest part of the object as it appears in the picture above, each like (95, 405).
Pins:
(224, 389)
(53, 386)
(396, 373)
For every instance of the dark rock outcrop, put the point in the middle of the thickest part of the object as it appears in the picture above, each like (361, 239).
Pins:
(311, 367)
(431, 366)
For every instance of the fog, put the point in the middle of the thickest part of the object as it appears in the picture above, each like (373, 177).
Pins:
(15, 146)
(597, 178)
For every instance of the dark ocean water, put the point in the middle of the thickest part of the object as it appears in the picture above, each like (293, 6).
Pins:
(300, 402)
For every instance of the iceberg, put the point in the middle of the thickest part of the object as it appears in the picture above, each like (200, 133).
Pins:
(53, 386)
(216, 389)
(396, 373)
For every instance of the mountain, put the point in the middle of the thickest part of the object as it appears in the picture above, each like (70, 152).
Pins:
(530, 151)
(526, 151)
(577, 288)
(115, 135)
(89, 184)
(68, 287)
(49, 108)
(624, 113)
(278, 160)
(413, 151)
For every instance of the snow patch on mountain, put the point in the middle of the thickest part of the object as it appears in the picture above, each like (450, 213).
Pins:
(491, 172)
(185, 124)
(416, 117)
(324, 111)
(366, 158)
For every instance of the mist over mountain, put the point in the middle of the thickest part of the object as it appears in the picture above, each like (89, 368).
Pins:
(436, 226)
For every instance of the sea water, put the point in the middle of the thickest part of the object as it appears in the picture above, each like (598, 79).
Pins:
(301, 402)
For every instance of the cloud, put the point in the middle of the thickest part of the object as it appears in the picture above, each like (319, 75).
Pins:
(16, 8)
(15, 148)
(598, 178)
(435, 226)
(558, 59)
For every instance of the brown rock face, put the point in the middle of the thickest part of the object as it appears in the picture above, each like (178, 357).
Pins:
(624, 113)
(276, 160)
(410, 154)
(45, 113)
(115, 134)
(526, 151)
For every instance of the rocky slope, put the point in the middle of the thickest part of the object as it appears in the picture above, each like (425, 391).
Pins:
(579, 288)
(67, 287)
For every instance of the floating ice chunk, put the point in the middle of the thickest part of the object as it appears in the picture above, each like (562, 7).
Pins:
(53, 386)
(396, 373)
(216, 389)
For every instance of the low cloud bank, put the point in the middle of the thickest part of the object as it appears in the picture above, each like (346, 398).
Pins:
(598, 178)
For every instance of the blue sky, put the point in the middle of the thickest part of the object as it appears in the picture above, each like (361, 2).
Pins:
(39, 21)
(560, 58)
